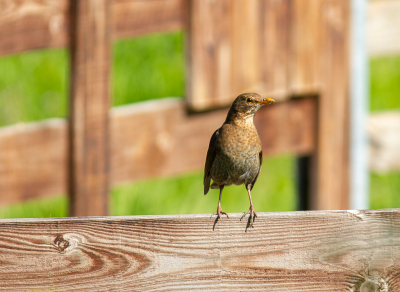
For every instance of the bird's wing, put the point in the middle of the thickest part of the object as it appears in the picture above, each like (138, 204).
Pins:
(259, 169)
(209, 160)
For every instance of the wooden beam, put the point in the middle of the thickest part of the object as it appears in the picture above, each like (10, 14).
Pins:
(165, 141)
(331, 162)
(134, 17)
(285, 251)
(33, 161)
(38, 24)
(383, 27)
(288, 127)
(33, 24)
(169, 142)
(384, 141)
(89, 107)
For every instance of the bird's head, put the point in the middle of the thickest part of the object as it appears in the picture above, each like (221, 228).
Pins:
(247, 104)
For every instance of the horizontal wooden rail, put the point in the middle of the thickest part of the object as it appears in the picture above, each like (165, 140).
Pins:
(154, 138)
(288, 251)
(27, 25)
(384, 141)
(383, 27)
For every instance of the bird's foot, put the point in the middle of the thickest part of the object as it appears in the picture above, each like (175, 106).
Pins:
(253, 215)
(219, 212)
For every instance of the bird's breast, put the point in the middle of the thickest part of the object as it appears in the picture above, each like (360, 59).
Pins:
(240, 142)
(237, 159)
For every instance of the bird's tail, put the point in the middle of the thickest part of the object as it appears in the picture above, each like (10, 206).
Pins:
(206, 183)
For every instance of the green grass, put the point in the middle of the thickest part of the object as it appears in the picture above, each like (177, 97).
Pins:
(385, 95)
(385, 83)
(49, 207)
(148, 67)
(274, 191)
(385, 190)
(34, 86)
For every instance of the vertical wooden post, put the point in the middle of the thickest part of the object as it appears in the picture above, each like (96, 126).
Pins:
(89, 106)
(331, 162)
(319, 65)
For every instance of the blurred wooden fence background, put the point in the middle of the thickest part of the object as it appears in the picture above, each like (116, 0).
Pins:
(292, 50)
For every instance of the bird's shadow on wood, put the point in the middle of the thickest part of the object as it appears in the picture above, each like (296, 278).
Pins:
(249, 223)
(215, 223)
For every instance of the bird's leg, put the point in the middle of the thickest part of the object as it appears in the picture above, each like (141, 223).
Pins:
(253, 214)
(219, 209)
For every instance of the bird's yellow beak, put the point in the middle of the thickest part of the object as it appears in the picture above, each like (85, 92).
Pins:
(267, 101)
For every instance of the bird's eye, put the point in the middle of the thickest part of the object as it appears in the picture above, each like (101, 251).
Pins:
(249, 99)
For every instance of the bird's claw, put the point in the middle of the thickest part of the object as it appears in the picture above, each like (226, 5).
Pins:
(253, 215)
(219, 212)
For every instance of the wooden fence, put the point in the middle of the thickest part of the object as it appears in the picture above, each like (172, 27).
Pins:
(354, 251)
(292, 50)
(267, 46)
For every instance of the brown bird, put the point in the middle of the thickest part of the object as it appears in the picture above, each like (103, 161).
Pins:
(234, 155)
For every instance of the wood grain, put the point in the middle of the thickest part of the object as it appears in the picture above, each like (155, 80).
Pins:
(223, 52)
(275, 47)
(33, 160)
(288, 124)
(150, 139)
(170, 142)
(304, 39)
(89, 108)
(288, 251)
(33, 24)
(134, 17)
(36, 24)
(331, 168)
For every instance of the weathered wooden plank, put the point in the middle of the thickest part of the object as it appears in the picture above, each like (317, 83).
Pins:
(33, 160)
(89, 108)
(33, 24)
(169, 142)
(286, 251)
(275, 47)
(223, 51)
(165, 141)
(36, 24)
(305, 26)
(383, 27)
(289, 127)
(133, 17)
(331, 170)
(384, 141)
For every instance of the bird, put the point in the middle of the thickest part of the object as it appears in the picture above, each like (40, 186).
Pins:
(234, 154)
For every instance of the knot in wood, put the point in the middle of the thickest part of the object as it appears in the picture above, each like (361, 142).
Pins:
(372, 286)
(368, 286)
(60, 243)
